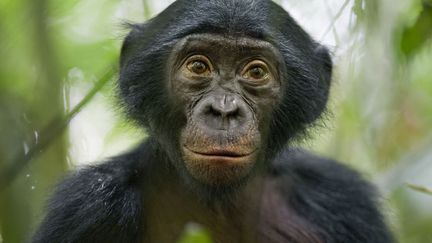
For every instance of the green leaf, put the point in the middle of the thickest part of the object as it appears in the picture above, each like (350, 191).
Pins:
(195, 233)
(358, 9)
(415, 36)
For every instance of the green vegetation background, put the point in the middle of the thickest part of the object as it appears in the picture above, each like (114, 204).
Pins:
(381, 107)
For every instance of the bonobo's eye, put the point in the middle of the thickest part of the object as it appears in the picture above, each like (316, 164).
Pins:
(256, 71)
(198, 65)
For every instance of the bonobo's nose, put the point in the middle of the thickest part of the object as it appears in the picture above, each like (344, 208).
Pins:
(222, 112)
(224, 106)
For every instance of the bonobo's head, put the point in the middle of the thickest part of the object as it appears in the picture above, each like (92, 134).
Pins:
(222, 85)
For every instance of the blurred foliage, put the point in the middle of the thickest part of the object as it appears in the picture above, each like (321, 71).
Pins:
(55, 55)
(194, 233)
(383, 108)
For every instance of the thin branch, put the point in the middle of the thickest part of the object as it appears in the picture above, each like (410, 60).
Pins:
(329, 12)
(147, 10)
(48, 135)
(419, 188)
(406, 168)
(336, 17)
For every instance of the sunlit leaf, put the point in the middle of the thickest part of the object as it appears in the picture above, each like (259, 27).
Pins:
(194, 233)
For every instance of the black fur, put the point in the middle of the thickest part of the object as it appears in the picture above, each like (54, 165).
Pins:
(97, 204)
(104, 203)
(332, 196)
(323, 200)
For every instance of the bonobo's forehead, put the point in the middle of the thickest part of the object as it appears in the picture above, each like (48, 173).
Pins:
(234, 46)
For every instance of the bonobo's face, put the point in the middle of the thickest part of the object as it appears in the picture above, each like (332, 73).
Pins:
(227, 88)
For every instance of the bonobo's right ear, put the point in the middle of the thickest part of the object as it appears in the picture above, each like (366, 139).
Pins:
(130, 43)
(141, 75)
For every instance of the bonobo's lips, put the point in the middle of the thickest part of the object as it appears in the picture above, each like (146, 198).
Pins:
(220, 155)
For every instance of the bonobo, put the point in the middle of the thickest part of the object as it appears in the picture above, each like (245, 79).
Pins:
(221, 87)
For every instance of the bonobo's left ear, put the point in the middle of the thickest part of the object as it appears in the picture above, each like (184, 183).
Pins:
(306, 89)
(308, 74)
(309, 70)
(324, 68)
(323, 56)
(307, 80)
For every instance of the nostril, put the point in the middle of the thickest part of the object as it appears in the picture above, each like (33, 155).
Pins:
(224, 110)
(234, 112)
(221, 114)
(213, 112)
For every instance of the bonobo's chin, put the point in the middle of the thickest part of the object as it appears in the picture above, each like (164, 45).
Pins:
(219, 167)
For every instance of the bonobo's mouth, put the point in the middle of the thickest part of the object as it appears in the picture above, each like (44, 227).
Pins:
(219, 166)
(220, 155)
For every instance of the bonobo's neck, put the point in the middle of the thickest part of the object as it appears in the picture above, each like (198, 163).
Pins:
(170, 206)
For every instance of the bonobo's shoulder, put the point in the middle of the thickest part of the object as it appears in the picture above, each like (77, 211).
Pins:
(334, 197)
(98, 203)
(302, 165)
(305, 176)
(124, 169)
(114, 174)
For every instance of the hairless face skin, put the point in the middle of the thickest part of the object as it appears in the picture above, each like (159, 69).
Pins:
(226, 88)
